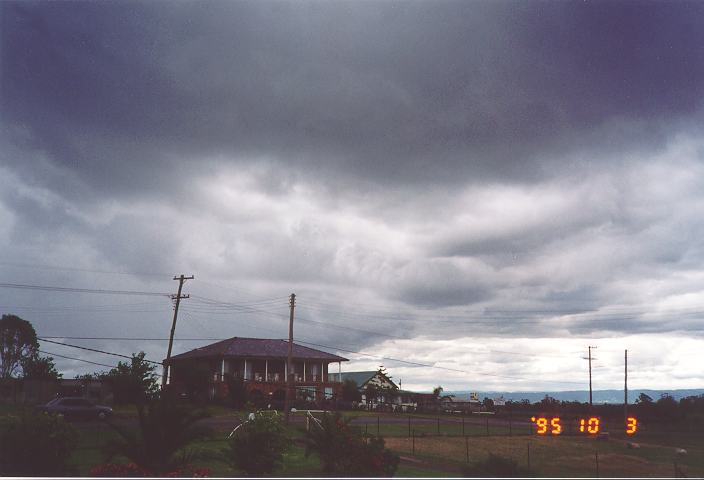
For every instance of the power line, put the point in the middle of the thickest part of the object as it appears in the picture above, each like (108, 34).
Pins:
(77, 359)
(219, 339)
(94, 350)
(146, 339)
(81, 290)
(407, 362)
(87, 270)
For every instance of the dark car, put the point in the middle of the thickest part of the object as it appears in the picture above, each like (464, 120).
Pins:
(75, 407)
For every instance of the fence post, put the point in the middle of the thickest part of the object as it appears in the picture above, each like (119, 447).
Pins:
(487, 426)
(378, 421)
(413, 436)
(466, 447)
(510, 427)
(409, 425)
(596, 459)
(463, 425)
(438, 419)
(528, 444)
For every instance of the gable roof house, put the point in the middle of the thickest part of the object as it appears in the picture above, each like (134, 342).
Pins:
(389, 396)
(261, 364)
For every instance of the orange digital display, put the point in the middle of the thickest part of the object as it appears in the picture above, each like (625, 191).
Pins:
(542, 424)
(631, 425)
(552, 425)
(591, 425)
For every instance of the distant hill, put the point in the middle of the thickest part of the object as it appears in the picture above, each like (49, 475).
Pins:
(599, 396)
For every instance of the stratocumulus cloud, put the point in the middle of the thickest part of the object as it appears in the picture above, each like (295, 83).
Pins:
(421, 172)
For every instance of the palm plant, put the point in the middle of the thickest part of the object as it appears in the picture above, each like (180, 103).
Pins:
(160, 444)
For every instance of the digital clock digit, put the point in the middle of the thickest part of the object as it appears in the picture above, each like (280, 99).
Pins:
(592, 425)
(542, 425)
(631, 425)
(588, 425)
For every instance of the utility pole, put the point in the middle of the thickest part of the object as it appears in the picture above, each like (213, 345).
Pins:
(625, 386)
(590, 375)
(181, 280)
(289, 368)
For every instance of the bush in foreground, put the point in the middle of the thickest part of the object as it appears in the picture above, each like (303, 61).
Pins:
(344, 451)
(36, 445)
(160, 445)
(258, 446)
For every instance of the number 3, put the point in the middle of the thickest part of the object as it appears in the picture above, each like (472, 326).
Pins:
(631, 425)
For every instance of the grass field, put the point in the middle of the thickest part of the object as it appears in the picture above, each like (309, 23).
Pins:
(560, 456)
(441, 455)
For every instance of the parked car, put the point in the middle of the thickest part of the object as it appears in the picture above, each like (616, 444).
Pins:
(75, 407)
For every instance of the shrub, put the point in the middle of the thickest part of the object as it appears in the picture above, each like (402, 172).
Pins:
(37, 445)
(160, 444)
(123, 470)
(258, 446)
(344, 451)
(494, 466)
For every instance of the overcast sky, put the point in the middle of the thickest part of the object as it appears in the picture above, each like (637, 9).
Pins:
(482, 189)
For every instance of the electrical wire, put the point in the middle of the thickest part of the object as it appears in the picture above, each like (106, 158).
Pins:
(95, 350)
(77, 359)
(81, 290)
(337, 348)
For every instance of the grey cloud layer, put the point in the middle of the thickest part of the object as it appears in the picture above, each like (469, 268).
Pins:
(393, 91)
(524, 169)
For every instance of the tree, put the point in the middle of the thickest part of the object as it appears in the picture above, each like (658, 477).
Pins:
(195, 377)
(371, 393)
(666, 406)
(134, 382)
(549, 402)
(644, 399)
(350, 391)
(165, 430)
(437, 391)
(18, 342)
(36, 445)
(40, 368)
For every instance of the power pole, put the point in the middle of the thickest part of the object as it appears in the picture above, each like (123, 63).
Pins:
(289, 368)
(625, 386)
(181, 280)
(590, 375)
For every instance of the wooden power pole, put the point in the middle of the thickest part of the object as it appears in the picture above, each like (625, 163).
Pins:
(625, 386)
(289, 367)
(590, 375)
(181, 280)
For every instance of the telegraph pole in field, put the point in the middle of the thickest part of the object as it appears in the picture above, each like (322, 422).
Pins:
(590, 375)
(289, 368)
(625, 385)
(181, 280)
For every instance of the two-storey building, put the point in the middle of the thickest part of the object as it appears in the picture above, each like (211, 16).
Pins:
(262, 365)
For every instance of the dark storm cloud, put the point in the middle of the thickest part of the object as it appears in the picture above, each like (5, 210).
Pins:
(126, 93)
(466, 169)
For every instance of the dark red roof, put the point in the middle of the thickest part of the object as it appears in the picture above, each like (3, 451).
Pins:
(257, 347)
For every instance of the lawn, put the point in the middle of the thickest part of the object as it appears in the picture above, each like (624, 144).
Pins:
(560, 456)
